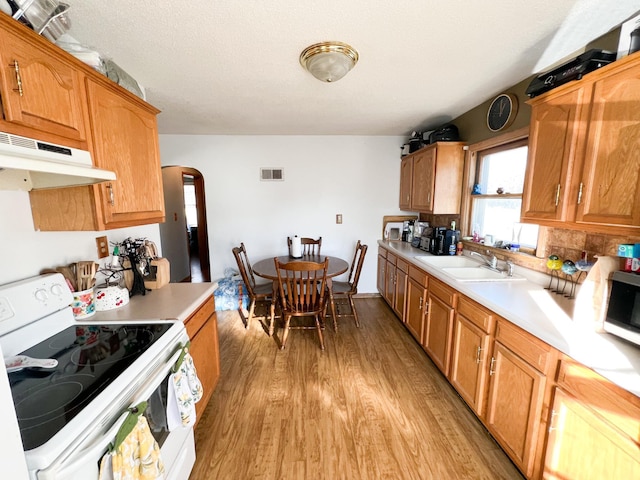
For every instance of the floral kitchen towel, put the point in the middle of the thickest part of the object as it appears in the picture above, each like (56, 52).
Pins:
(184, 391)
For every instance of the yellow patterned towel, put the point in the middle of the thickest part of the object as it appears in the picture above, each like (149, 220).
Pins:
(136, 458)
(184, 391)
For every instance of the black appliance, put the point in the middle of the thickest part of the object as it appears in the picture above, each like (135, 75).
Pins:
(437, 241)
(573, 70)
(446, 133)
(623, 312)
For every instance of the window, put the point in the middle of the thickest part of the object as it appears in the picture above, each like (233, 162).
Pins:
(497, 198)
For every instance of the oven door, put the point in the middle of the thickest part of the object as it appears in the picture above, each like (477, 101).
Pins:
(177, 447)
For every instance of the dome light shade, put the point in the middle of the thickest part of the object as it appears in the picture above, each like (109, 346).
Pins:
(329, 61)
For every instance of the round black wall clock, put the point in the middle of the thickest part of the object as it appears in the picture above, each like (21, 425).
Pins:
(502, 111)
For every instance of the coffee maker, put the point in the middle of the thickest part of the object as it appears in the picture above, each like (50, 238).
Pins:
(438, 241)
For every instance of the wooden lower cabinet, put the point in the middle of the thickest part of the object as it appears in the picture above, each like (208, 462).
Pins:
(382, 269)
(436, 338)
(416, 310)
(202, 328)
(390, 280)
(555, 419)
(519, 394)
(472, 335)
(594, 430)
(583, 446)
(400, 294)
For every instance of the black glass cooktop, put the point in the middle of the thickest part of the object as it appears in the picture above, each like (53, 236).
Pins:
(89, 358)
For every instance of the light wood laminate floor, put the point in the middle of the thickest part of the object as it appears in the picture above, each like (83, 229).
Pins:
(371, 406)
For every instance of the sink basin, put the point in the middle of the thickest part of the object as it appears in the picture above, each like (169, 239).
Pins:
(478, 274)
(448, 261)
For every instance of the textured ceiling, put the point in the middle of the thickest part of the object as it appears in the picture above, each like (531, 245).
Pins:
(231, 67)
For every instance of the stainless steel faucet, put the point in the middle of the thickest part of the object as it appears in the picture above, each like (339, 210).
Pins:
(490, 259)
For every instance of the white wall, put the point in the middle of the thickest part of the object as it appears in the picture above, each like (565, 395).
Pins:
(324, 175)
(173, 232)
(24, 251)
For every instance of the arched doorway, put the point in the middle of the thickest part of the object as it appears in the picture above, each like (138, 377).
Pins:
(184, 236)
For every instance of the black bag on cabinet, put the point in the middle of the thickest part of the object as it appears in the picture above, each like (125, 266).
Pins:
(446, 133)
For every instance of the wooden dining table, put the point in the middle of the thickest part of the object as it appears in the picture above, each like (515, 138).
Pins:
(266, 268)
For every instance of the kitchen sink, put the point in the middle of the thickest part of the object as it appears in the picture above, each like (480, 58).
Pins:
(448, 261)
(478, 274)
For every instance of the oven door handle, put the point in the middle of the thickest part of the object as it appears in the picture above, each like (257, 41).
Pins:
(63, 467)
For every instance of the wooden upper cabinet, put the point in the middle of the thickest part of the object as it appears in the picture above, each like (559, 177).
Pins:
(611, 175)
(40, 89)
(584, 169)
(406, 171)
(431, 179)
(424, 173)
(555, 135)
(126, 141)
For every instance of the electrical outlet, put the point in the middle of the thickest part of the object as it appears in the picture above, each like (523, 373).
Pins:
(339, 218)
(103, 247)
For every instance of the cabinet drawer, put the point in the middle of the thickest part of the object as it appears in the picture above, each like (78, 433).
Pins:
(198, 318)
(476, 314)
(418, 275)
(391, 258)
(402, 265)
(382, 252)
(534, 351)
(616, 405)
(443, 292)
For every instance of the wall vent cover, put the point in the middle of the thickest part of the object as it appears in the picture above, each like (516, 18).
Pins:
(272, 174)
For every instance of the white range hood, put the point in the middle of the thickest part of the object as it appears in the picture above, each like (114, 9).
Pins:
(27, 164)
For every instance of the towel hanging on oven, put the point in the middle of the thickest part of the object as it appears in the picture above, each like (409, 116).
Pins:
(184, 391)
(135, 454)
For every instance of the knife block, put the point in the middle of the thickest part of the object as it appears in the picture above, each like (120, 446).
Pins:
(159, 274)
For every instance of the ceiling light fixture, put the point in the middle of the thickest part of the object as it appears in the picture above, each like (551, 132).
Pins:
(329, 61)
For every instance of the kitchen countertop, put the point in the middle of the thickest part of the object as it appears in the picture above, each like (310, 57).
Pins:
(173, 301)
(528, 305)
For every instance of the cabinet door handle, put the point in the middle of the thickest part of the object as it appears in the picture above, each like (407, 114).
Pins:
(420, 306)
(18, 78)
(580, 193)
(554, 414)
(557, 195)
(112, 200)
(478, 351)
(493, 363)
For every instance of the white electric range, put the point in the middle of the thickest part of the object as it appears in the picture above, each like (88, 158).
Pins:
(69, 414)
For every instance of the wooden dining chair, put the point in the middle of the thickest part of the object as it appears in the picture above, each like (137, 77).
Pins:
(349, 288)
(258, 293)
(302, 292)
(310, 246)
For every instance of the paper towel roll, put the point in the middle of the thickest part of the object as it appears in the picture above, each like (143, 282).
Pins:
(296, 247)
